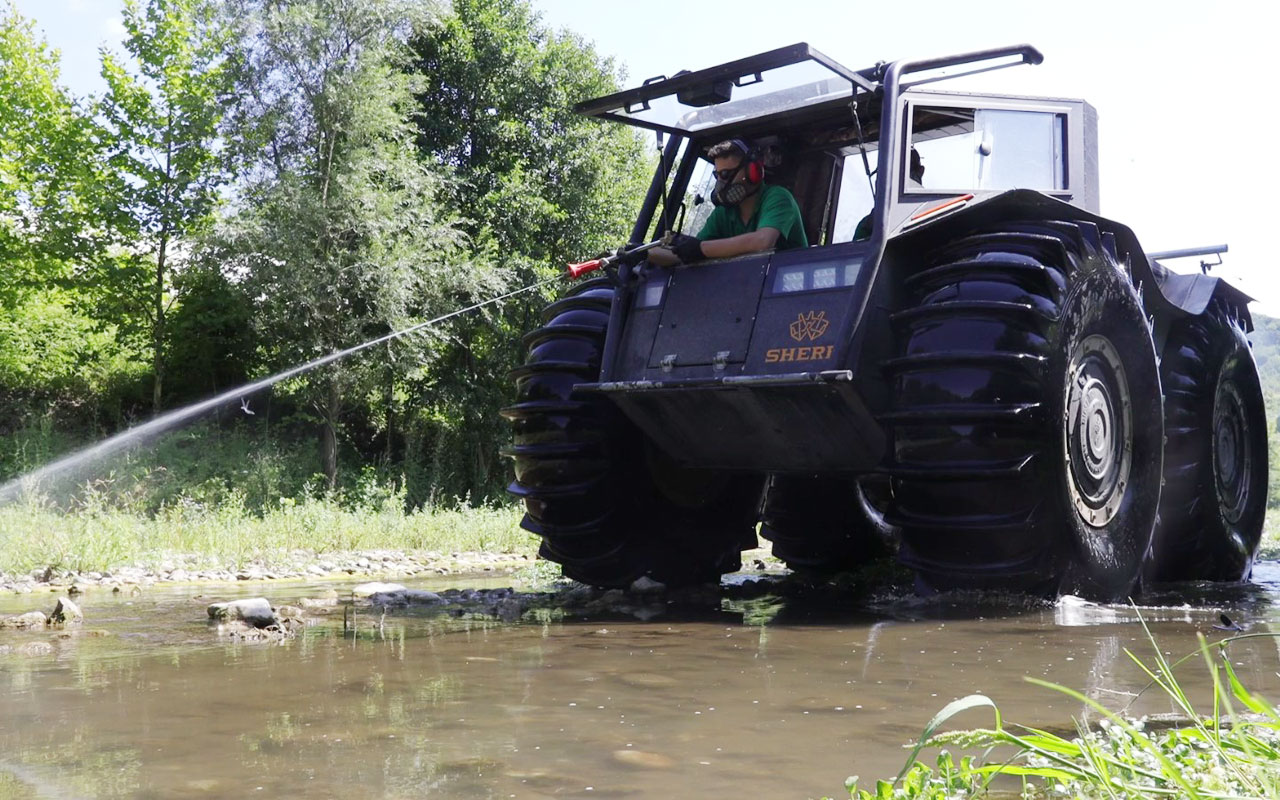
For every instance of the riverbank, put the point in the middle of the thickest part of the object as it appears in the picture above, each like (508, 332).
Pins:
(310, 538)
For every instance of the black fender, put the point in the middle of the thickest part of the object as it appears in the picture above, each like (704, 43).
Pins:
(1166, 295)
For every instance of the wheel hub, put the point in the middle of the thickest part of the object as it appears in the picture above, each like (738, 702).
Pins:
(1232, 454)
(1098, 430)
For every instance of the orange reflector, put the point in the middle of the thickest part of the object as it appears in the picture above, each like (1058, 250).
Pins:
(955, 201)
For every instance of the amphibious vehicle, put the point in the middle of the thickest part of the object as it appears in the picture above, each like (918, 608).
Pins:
(998, 384)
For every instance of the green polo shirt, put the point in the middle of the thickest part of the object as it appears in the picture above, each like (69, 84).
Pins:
(777, 209)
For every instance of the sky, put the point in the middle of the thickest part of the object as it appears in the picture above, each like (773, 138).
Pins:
(1179, 86)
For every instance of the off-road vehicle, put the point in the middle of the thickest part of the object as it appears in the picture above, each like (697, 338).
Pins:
(999, 384)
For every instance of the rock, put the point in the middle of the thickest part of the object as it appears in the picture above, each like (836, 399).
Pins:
(642, 759)
(646, 585)
(375, 587)
(510, 610)
(66, 612)
(31, 619)
(4, 649)
(405, 597)
(35, 649)
(255, 611)
(318, 602)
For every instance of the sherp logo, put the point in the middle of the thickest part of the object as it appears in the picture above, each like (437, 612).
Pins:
(809, 326)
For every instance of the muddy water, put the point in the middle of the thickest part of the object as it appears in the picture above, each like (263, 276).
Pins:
(769, 697)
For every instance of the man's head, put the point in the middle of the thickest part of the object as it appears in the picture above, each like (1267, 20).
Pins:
(738, 175)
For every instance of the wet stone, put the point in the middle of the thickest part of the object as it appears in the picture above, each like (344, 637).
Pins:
(31, 619)
(66, 612)
(255, 611)
(375, 587)
(646, 585)
(406, 597)
(642, 759)
(34, 649)
(647, 680)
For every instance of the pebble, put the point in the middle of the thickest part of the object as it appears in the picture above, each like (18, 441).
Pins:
(298, 563)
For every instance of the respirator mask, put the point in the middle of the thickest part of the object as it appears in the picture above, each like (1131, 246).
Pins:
(729, 191)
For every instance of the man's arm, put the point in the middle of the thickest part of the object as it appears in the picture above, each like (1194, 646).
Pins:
(743, 243)
(754, 242)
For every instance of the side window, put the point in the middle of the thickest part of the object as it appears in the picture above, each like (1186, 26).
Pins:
(995, 149)
(701, 182)
(855, 199)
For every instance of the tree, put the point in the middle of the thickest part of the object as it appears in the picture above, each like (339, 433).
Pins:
(161, 123)
(48, 166)
(544, 185)
(340, 235)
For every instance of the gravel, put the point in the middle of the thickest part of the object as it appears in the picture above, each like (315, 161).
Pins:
(299, 564)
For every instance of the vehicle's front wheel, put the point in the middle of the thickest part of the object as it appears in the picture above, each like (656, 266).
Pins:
(608, 506)
(1027, 420)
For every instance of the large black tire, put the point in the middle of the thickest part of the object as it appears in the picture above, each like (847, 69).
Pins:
(1215, 493)
(1027, 420)
(608, 506)
(823, 525)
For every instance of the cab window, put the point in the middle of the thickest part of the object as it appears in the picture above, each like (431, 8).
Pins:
(965, 149)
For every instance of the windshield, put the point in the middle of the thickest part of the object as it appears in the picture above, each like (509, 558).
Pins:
(698, 102)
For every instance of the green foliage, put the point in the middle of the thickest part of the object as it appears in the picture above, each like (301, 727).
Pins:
(385, 162)
(58, 366)
(48, 165)
(540, 184)
(1234, 751)
(341, 236)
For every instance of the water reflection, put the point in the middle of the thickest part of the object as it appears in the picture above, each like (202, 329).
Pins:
(776, 694)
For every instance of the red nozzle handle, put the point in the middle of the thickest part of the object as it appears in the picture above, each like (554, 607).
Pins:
(578, 270)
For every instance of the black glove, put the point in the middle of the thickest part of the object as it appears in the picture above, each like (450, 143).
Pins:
(688, 248)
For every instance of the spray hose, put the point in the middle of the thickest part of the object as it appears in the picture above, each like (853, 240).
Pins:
(578, 270)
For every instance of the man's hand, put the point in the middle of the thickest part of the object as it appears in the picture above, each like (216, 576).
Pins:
(688, 248)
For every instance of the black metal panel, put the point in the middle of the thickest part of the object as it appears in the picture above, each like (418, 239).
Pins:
(710, 309)
(799, 332)
(641, 325)
(802, 424)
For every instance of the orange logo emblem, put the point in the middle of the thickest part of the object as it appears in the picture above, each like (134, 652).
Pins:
(809, 326)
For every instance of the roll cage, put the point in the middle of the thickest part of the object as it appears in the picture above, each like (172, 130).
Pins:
(819, 120)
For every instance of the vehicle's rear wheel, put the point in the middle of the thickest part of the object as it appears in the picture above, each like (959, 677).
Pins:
(1026, 423)
(823, 525)
(1215, 493)
(609, 507)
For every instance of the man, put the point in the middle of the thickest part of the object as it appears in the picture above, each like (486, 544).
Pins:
(915, 180)
(750, 215)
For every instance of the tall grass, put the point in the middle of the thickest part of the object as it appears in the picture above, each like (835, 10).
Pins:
(1231, 750)
(101, 536)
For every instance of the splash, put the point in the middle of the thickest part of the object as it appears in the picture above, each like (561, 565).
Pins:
(77, 462)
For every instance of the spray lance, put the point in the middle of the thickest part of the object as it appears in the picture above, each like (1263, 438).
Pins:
(623, 254)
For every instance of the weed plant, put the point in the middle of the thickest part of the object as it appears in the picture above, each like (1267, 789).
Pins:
(1229, 751)
(101, 535)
